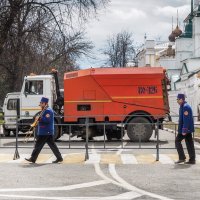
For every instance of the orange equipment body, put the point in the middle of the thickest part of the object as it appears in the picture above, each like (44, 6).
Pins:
(115, 93)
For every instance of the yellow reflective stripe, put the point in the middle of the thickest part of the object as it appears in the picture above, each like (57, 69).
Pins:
(28, 109)
(88, 101)
(120, 97)
(138, 97)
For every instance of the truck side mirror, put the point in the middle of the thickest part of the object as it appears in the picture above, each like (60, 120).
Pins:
(18, 108)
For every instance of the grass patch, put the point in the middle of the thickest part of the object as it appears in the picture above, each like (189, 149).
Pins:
(1, 118)
(197, 132)
(171, 125)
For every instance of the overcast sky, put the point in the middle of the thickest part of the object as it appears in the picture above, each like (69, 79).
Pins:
(153, 17)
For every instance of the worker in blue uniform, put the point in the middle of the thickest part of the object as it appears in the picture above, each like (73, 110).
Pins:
(45, 133)
(185, 130)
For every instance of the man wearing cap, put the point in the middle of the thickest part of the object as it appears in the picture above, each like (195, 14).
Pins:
(45, 133)
(185, 130)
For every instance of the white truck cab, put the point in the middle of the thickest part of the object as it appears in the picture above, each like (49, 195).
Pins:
(10, 113)
(33, 89)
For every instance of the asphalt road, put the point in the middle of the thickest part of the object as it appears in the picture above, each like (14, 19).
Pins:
(113, 173)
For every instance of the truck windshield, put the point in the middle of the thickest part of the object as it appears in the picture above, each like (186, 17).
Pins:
(34, 87)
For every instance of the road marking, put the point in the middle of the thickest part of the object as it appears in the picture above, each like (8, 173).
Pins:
(124, 196)
(101, 158)
(164, 159)
(65, 188)
(21, 159)
(145, 159)
(173, 156)
(42, 158)
(131, 187)
(6, 157)
(93, 159)
(75, 158)
(128, 159)
(128, 186)
(110, 158)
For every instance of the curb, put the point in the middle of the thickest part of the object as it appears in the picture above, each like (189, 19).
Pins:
(196, 139)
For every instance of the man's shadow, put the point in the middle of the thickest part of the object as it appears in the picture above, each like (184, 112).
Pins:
(33, 165)
(181, 166)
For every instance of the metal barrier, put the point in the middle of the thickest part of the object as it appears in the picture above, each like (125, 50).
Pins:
(104, 143)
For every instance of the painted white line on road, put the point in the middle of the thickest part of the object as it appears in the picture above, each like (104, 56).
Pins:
(131, 187)
(102, 175)
(68, 187)
(31, 197)
(128, 186)
(121, 182)
(21, 159)
(123, 196)
(128, 159)
(93, 158)
(164, 159)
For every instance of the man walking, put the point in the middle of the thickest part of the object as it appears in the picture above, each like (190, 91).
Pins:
(45, 133)
(185, 130)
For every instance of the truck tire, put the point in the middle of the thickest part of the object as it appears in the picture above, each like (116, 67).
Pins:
(91, 132)
(14, 132)
(143, 128)
(114, 134)
(6, 132)
(108, 136)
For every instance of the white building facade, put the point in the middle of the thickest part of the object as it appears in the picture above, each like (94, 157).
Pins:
(183, 66)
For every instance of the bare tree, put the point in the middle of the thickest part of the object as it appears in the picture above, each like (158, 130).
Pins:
(120, 49)
(38, 34)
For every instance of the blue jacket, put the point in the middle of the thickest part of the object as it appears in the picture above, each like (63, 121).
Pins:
(46, 123)
(186, 122)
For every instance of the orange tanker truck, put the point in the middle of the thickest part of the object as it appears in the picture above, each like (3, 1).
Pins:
(132, 98)
(112, 100)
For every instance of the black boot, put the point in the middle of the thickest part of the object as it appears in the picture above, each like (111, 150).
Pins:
(58, 160)
(30, 160)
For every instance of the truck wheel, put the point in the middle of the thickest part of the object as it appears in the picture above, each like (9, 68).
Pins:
(108, 136)
(91, 132)
(119, 134)
(142, 128)
(6, 132)
(14, 133)
(111, 134)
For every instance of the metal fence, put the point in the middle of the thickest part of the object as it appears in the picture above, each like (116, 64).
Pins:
(88, 144)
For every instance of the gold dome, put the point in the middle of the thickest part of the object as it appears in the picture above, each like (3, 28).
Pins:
(177, 31)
